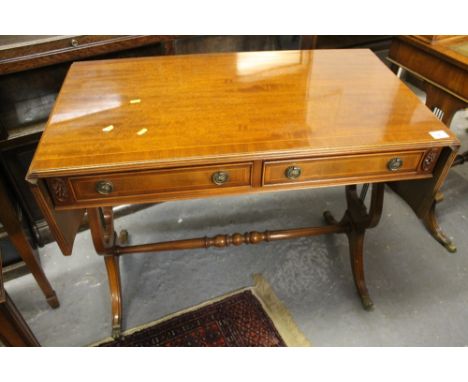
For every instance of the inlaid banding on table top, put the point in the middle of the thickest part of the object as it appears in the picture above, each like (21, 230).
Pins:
(236, 106)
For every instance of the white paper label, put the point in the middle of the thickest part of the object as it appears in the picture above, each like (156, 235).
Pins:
(439, 134)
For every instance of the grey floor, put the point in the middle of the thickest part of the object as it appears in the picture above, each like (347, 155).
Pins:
(420, 290)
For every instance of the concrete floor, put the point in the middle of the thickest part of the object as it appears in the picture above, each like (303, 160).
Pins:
(420, 290)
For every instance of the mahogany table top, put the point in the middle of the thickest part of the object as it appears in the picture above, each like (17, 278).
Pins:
(139, 113)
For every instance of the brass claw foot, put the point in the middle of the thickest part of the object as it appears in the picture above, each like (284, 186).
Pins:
(432, 225)
(116, 332)
(449, 246)
(439, 235)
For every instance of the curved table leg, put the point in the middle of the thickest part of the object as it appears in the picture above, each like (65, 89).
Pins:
(113, 275)
(356, 251)
(430, 221)
(356, 220)
(101, 223)
(444, 107)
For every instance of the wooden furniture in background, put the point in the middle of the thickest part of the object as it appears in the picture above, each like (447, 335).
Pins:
(169, 128)
(20, 53)
(12, 226)
(441, 62)
(14, 331)
(32, 70)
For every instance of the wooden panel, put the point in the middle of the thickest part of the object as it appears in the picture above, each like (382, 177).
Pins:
(420, 194)
(445, 49)
(432, 39)
(63, 224)
(34, 54)
(322, 169)
(159, 182)
(439, 64)
(176, 111)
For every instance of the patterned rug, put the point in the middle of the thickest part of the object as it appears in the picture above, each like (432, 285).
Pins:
(237, 320)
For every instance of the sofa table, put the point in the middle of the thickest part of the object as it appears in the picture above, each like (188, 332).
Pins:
(168, 128)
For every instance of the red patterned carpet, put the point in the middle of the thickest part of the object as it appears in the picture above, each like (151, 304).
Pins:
(237, 320)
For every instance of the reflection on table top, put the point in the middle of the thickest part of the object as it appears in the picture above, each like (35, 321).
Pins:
(148, 112)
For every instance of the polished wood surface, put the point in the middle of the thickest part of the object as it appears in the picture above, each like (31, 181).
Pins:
(188, 182)
(159, 182)
(160, 129)
(177, 111)
(32, 70)
(19, 53)
(351, 168)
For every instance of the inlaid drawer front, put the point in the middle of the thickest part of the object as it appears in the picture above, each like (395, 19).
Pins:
(342, 167)
(161, 181)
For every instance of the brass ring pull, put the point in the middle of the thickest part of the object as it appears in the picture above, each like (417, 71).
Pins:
(220, 177)
(104, 187)
(394, 164)
(293, 172)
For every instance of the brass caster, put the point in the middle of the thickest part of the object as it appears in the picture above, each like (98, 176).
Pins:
(123, 237)
(439, 197)
(367, 303)
(450, 247)
(116, 333)
(446, 242)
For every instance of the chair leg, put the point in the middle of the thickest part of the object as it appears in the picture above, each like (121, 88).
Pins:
(14, 331)
(15, 232)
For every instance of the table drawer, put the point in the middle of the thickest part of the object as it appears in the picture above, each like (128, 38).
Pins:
(343, 167)
(161, 181)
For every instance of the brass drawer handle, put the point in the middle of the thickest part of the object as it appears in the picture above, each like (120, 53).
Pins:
(74, 42)
(394, 164)
(293, 172)
(220, 177)
(104, 187)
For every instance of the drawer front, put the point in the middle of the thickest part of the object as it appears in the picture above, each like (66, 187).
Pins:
(161, 181)
(343, 167)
